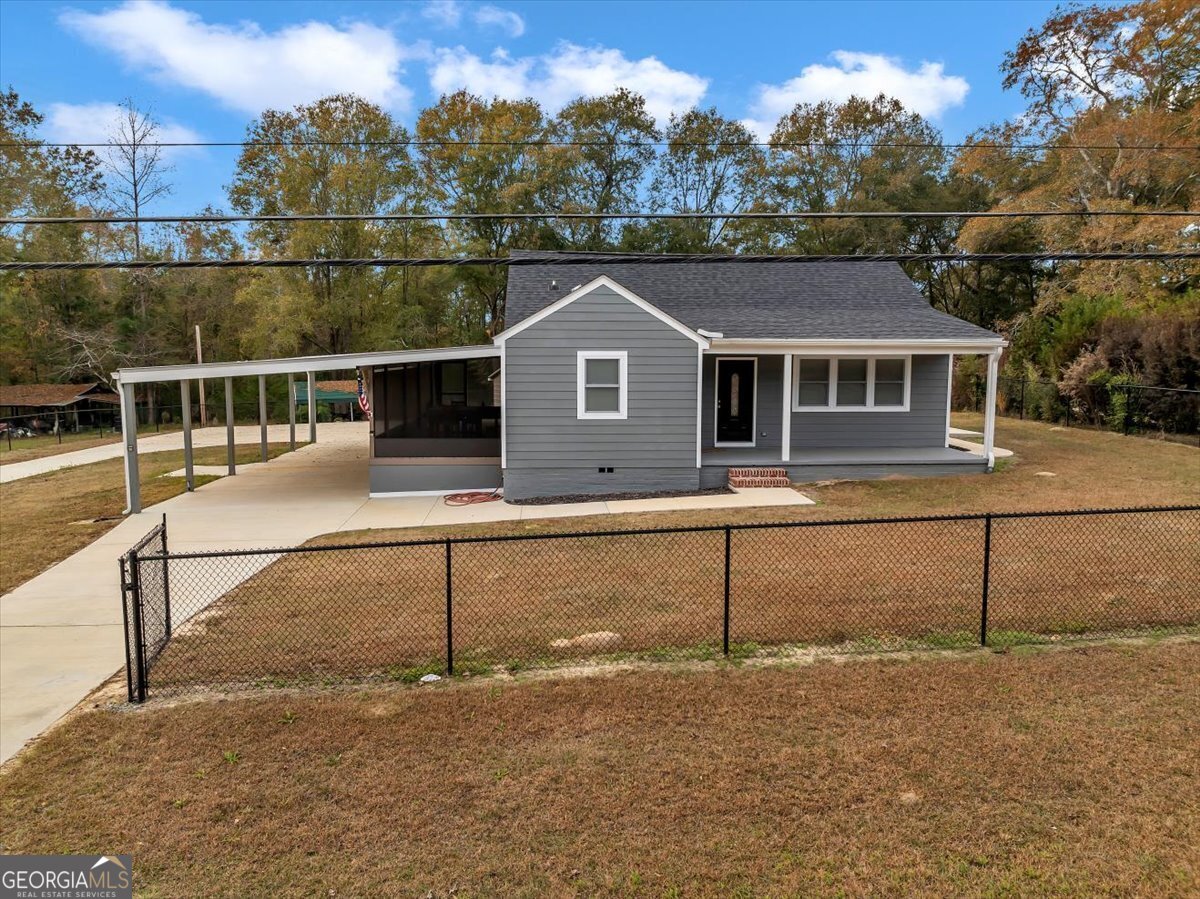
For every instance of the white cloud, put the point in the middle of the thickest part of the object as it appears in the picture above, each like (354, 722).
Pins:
(245, 67)
(96, 123)
(567, 72)
(927, 90)
(443, 13)
(506, 19)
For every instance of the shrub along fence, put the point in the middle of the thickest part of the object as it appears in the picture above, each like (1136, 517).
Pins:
(1128, 408)
(399, 610)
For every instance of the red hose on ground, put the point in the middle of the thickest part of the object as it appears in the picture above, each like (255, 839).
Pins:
(471, 497)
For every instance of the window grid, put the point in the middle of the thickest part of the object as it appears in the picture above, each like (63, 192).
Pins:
(832, 404)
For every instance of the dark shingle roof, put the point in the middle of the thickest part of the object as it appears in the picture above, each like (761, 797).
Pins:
(760, 300)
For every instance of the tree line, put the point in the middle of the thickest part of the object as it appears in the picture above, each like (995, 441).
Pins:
(1107, 89)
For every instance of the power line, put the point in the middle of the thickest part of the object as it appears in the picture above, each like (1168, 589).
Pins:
(575, 259)
(794, 145)
(586, 216)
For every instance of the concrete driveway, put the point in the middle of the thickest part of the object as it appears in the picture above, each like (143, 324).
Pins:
(61, 633)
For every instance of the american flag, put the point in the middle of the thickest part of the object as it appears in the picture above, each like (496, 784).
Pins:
(363, 402)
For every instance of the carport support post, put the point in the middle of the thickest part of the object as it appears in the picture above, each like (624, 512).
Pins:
(185, 400)
(262, 415)
(230, 449)
(312, 407)
(133, 484)
(989, 410)
(292, 411)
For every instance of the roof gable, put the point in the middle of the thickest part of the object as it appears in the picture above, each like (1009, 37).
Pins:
(583, 290)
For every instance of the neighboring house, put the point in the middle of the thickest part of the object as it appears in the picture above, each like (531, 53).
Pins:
(634, 377)
(70, 406)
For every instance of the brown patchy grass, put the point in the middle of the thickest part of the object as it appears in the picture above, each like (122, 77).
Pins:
(382, 611)
(1044, 773)
(45, 518)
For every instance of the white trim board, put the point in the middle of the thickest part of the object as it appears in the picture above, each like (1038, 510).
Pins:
(584, 290)
(297, 364)
(856, 347)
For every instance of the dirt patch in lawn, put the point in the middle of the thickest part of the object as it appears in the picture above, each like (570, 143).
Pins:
(994, 774)
(616, 497)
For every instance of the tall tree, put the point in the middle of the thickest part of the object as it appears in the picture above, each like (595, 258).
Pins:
(480, 156)
(712, 164)
(340, 155)
(611, 155)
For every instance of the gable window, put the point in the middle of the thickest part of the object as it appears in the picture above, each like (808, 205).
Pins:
(603, 384)
(851, 383)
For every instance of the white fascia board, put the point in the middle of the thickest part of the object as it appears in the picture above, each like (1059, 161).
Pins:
(190, 371)
(852, 347)
(584, 290)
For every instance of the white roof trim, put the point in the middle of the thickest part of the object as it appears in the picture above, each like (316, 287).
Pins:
(815, 347)
(584, 290)
(297, 364)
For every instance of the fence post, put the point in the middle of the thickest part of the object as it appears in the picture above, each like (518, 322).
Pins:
(987, 570)
(1125, 416)
(725, 629)
(125, 620)
(135, 592)
(166, 580)
(449, 611)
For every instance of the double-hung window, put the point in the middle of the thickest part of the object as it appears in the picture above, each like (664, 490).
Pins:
(851, 383)
(603, 386)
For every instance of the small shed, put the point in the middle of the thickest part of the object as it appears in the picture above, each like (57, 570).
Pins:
(48, 407)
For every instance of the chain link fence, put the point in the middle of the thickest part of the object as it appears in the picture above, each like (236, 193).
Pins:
(400, 610)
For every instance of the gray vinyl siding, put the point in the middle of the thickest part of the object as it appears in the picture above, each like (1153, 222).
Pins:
(923, 425)
(551, 452)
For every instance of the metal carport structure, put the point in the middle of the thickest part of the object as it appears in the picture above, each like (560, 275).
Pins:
(127, 380)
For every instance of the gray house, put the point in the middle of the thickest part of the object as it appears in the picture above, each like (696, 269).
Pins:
(616, 378)
(626, 377)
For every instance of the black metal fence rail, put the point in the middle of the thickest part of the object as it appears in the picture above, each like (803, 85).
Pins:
(1127, 408)
(402, 609)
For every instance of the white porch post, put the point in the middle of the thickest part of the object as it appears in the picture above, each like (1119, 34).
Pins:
(133, 484)
(786, 430)
(262, 415)
(989, 412)
(292, 411)
(312, 407)
(185, 400)
(230, 448)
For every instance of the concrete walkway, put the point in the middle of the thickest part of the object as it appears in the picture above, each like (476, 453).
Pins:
(61, 632)
(173, 440)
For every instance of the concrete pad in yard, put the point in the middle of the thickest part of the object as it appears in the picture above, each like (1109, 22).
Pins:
(391, 512)
(746, 497)
(441, 514)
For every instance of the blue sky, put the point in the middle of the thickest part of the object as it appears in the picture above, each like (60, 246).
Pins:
(206, 69)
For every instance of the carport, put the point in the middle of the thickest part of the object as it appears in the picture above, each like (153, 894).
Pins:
(128, 379)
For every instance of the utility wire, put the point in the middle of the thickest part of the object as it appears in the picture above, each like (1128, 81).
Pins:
(588, 216)
(428, 144)
(574, 259)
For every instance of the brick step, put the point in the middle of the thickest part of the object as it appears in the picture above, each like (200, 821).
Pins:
(759, 477)
(759, 482)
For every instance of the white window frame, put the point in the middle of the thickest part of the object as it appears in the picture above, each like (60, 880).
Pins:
(832, 404)
(581, 359)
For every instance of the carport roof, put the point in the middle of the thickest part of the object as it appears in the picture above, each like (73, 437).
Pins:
(297, 364)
